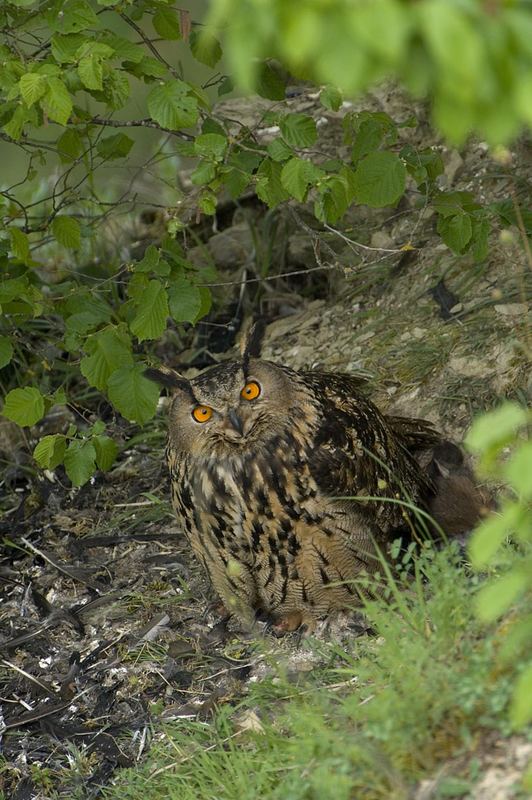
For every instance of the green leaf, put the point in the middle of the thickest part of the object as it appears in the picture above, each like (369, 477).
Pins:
(108, 350)
(185, 301)
(65, 48)
(496, 428)
(479, 243)
(6, 351)
(124, 49)
(90, 71)
(117, 89)
(269, 187)
(205, 302)
(166, 23)
(80, 460)
(204, 173)
(150, 260)
(24, 406)
(518, 471)
(379, 180)
(279, 150)
(74, 16)
(521, 706)
(492, 532)
(32, 87)
(16, 124)
(170, 107)
(368, 138)
(116, 146)
(205, 47)
(132, 394)
(299, 130)
(225, 87)
(334, 200)
(447, 204)
(150, 319)
(17, 296)
(497, 597)
(331, 98)
(67, 232)
(106, 452)
(207, 202)
(69, 146)
(456, 231)
(298, 175)
(423, 165)
(82, 323)
(211, 145)
(50, 451)
(89, 305)
(20, 244)
(270, 82)
(147, 67)
(57, 101)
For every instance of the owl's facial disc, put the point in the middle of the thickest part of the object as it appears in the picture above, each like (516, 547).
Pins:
(231, 420)
(228, 409)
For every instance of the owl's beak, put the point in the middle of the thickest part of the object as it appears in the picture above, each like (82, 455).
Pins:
(235, 421)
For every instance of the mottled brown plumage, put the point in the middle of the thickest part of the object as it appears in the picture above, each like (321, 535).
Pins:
(271, 490)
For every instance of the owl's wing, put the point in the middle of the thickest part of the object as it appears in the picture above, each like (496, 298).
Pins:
(360, 452)
(416, 434)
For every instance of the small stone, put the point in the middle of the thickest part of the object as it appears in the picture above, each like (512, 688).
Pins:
(467, 366)
(231, 247)
(248, 721)
(366, 336)
(511, 309)
(383, 240)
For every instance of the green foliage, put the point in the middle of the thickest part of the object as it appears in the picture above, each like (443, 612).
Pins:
(379, 179)
(24, 406)
(171, 105)
(133, 394)
(489, 437)
(67, 232)
(473, 59)
(79, 452)
(6, 351)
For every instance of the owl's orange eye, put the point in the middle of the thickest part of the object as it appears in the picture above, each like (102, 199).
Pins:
(202, 413)
(250, 391)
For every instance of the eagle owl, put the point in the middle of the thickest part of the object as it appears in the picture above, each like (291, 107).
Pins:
(289, 485)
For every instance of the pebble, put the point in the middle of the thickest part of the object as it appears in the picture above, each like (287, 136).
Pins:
(511, 309)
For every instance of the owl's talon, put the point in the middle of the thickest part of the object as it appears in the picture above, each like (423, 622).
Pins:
(219, 610)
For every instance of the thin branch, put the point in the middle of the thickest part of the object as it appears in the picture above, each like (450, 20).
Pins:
(149, 44)
(245, 281)
(353, 244)
(138, 123)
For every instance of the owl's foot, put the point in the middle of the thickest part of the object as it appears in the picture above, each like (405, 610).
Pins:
(294, 621)
(219, 609)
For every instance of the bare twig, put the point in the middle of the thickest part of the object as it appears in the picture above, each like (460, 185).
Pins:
(139, 123)
(149, 44)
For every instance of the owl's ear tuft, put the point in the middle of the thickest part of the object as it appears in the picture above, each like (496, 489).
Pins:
(168, 378)
(251, 342)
